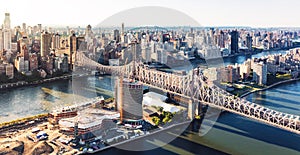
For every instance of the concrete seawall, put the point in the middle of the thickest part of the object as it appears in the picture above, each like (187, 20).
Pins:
(137, 138)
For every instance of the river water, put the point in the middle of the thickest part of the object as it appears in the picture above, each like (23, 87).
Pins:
(231, 134)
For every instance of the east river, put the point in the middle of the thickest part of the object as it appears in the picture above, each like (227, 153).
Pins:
(231, 134)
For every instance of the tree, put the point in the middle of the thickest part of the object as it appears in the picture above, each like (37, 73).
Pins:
(155, 120)
(160, 109)
(166, 119)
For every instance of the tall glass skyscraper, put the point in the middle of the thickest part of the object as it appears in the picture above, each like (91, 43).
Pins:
(234, 41)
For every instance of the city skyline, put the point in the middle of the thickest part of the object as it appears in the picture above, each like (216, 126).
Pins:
(206, 13)
(152, 76)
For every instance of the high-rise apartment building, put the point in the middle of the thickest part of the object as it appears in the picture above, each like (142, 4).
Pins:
(39, 28)
(33, 62)
(20, 64)
(1, 42)
(260, 73)
(24, 51)
(55, 41)
(72, 48)
(24, 29)
(45, 44)
(9, 69)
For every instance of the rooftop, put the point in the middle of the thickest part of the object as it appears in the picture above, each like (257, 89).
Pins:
(131, 81)
(88, 118)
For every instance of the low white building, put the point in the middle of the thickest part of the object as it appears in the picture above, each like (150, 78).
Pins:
(154, 99)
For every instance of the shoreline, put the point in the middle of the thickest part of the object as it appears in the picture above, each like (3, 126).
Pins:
(268, 87)
(68, 76)
(243, 53)
(42, 81)
(23, 122)
(115, 145)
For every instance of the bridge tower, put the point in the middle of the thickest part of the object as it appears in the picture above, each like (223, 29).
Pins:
(191, 103)
(191, 109)
(194, 107)
(133, 44)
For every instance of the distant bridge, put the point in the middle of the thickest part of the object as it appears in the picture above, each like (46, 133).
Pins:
(155, 28)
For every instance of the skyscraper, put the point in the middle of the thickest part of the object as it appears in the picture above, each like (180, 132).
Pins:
(55, 41)
(1, 42)
(89, 36)
(129, 101)
(6, 32)
(45, 44)
(249, 42)
(24, 29)
(122, 30)
(260, 73)
(73, 46)
(81, 44)
(122, 33)
(7, 21)
(117, 35)
(33, 62)
(234, 41)
(88, 31)
(222, 40)
(39, 28)
(24, 51)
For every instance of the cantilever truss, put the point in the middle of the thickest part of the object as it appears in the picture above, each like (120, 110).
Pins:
(195, 87)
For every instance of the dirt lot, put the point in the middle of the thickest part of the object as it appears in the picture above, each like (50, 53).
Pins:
(17, 141)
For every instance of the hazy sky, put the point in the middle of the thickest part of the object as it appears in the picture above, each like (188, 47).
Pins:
(255, 13)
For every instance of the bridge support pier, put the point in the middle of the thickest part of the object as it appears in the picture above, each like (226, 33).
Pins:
(197, 108)
(191, 109)
(200, 109)
(194, 108)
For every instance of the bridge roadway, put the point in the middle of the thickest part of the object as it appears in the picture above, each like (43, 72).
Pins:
(194, 87)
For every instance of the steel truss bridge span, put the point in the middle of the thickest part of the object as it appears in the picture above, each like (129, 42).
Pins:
(194, 87)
